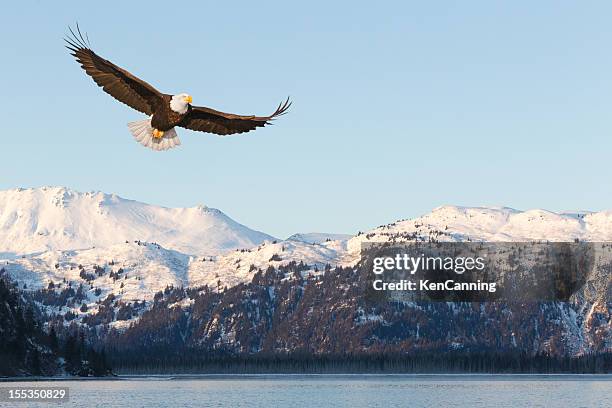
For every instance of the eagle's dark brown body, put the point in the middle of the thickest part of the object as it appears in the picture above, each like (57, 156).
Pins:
(164, 118)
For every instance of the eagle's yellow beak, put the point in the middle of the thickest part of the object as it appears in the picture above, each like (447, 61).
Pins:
(188, 99)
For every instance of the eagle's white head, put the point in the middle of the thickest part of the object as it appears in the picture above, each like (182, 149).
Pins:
(179, 103)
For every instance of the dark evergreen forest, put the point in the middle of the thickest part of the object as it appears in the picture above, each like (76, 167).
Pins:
(26, 348)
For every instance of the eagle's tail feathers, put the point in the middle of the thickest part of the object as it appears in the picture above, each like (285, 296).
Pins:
(143, 133)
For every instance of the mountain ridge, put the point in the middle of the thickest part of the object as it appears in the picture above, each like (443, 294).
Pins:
(34, 220)
(57, 218)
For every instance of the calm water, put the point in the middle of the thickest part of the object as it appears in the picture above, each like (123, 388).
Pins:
(344, 391)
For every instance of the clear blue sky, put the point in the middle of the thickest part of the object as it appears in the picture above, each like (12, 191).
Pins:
(398, 107)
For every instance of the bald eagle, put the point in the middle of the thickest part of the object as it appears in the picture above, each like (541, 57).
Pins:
(165, 111)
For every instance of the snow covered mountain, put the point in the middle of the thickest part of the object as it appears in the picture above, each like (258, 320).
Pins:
(60, 228)
(455, 223)
(107, 261)
(56, 218)
(191, 247)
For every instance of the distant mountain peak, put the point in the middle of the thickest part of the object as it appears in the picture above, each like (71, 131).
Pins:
(497, 224)
(58, 218)
(318, 237)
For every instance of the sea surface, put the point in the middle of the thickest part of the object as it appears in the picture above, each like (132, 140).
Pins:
(353, 391)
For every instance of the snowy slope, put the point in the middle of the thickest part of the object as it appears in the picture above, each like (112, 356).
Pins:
(239, 266)
(52, 218)
(145, 269)
(135, 271)
(318, 237)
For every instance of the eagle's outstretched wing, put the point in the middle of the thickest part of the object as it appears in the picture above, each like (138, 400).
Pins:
(117, 82)
(209, 120)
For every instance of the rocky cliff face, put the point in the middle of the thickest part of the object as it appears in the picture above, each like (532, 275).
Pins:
(292, 309)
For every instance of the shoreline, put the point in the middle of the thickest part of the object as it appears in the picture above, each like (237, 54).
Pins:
(298, 376)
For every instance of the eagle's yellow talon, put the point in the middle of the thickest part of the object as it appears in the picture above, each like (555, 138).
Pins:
(158, 134)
